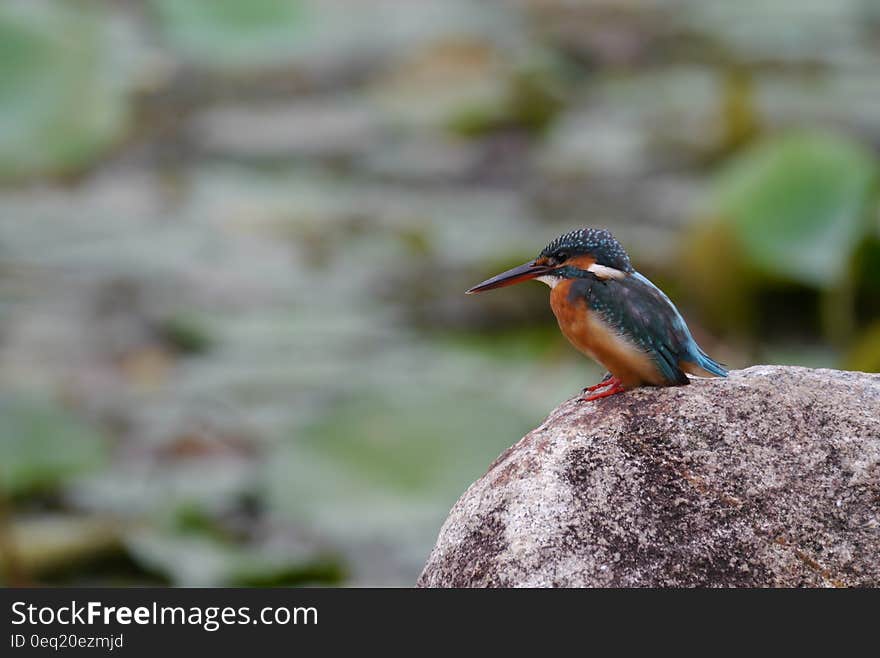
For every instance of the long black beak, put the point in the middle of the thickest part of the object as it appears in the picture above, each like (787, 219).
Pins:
(524, 272)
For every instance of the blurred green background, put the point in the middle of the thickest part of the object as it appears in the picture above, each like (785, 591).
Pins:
(234, 236)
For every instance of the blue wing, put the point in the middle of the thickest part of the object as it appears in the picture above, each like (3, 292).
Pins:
(693, 353)
(640, 311)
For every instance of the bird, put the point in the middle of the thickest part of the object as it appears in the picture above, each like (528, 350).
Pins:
(612, 314)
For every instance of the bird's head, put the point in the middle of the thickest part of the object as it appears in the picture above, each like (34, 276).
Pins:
(574, 254)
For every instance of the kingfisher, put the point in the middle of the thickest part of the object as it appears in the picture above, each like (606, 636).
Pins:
(612, 314)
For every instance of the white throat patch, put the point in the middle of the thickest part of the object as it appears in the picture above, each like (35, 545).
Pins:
(550, 279)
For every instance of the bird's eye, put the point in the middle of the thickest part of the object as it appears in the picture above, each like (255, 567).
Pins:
(561, 256)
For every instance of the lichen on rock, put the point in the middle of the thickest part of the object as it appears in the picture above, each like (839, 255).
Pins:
(769, 478)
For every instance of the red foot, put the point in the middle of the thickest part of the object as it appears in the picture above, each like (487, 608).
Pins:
(605, 383)
(614, 390)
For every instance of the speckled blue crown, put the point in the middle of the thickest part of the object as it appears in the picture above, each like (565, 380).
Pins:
(595, 242)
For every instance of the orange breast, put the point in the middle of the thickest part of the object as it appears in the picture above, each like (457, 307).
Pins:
(591, 335)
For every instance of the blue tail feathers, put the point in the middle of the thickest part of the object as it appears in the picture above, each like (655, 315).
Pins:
(710, 365)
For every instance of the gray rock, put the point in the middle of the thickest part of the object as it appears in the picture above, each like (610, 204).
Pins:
(768, 478)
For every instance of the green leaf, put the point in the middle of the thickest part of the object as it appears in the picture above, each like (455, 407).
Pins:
(42, 445)
(199, 561)
(799, 205)
(864, 354)
(390, 466)
(62, 100)
(50, 543)
(232, 34)
(187, 333)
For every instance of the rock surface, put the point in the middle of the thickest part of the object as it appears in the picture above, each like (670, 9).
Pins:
(768, 478)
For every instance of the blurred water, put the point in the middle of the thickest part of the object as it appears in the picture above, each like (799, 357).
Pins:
(248, 277)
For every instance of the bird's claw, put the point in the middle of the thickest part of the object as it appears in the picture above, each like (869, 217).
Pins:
(611, 385)
(607, 381)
